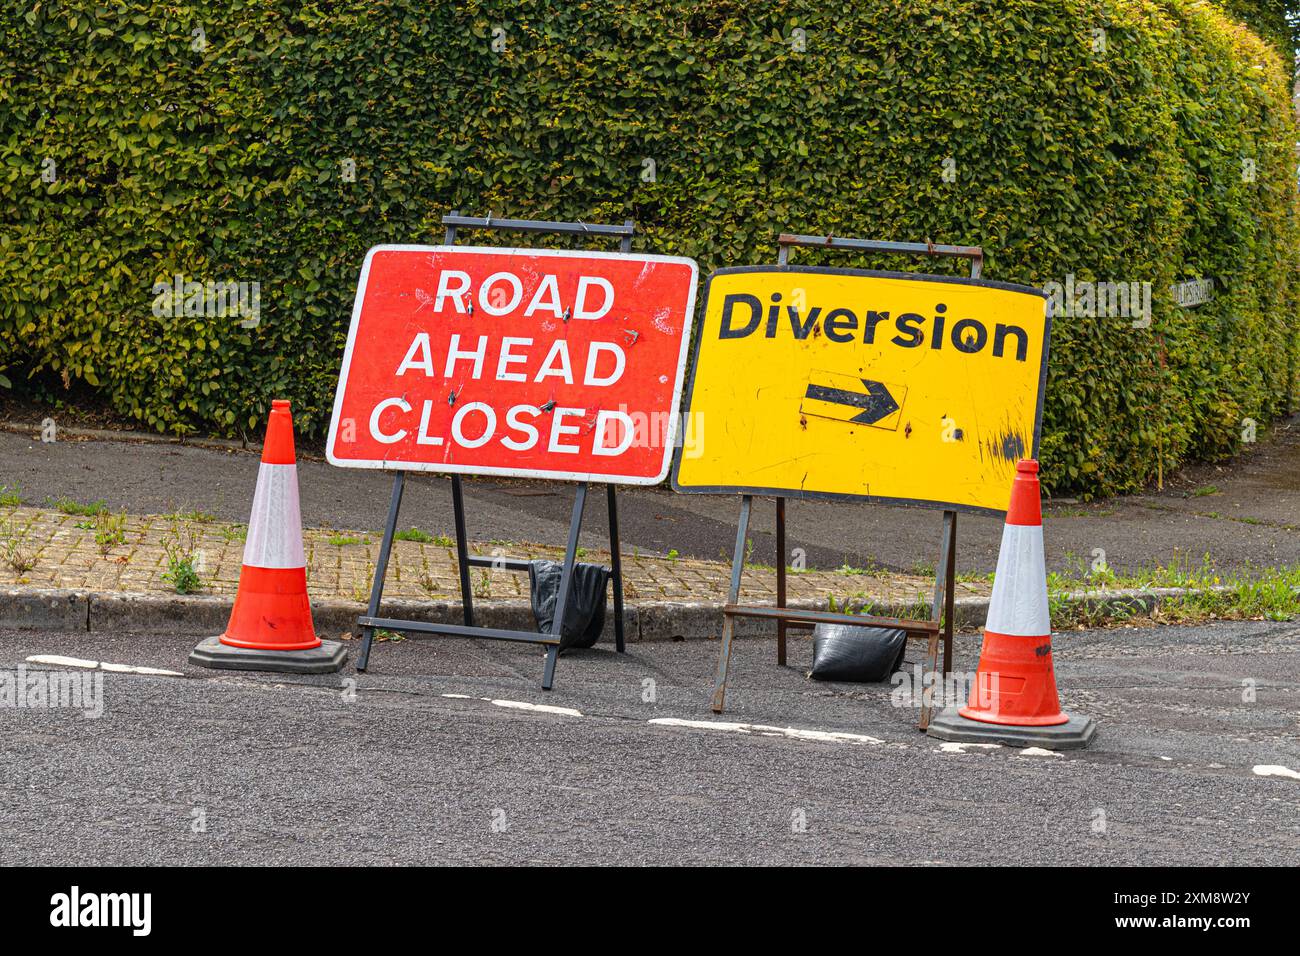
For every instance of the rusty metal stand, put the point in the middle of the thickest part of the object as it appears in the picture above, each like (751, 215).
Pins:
(942, 610)
(371, 621)
(940, 627)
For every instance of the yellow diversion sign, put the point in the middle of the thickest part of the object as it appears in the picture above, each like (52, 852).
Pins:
(827, 383)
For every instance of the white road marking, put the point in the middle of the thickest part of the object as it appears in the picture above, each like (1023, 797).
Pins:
(54, 660)
(794, 733)
(1275, 770)
(702, 724)
(539, 708)
(519, 705)
(1038, 752)
(952, 747)
(133, 669)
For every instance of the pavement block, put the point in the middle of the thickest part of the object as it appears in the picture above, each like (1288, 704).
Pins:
(678, 620)
(970, 612)
(334, 618)
(159, 613)
(44, 608)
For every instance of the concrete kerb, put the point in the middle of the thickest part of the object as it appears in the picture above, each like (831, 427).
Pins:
(45, 609)
(1135, 602)
(131, 437)
(42, 608)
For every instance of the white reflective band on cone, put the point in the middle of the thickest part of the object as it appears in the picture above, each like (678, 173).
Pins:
(275, 526)
(1018, 605)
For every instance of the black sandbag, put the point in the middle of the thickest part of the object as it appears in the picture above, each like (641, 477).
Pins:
(584, 612)
(850, 653)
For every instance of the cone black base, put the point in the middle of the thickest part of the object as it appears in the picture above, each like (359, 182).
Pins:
(1074, 734)
(325, 659)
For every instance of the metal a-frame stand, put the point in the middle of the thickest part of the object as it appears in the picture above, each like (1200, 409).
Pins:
(371, 621)
(940, 625)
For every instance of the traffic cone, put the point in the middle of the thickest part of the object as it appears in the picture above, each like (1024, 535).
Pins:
(1013, 700)
(270, 625)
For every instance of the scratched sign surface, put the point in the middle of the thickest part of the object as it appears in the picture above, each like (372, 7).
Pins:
(816, 382)
(523, 362)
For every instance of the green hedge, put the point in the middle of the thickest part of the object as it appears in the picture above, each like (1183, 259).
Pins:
(225, 163)
(1275, 20)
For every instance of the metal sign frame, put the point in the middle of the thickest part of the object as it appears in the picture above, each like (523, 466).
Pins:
(940, 626)
(371, 621)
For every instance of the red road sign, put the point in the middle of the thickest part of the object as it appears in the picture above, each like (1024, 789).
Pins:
(523, 362)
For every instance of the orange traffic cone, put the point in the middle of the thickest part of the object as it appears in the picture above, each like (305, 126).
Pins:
(270, 625)
(1013, 699)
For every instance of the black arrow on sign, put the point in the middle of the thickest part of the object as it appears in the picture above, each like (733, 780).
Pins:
(876, 403)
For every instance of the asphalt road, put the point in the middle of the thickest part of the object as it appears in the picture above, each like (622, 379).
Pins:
(1241, 515)
(415, 763)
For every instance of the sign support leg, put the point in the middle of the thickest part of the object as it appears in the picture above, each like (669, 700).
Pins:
(944, 589)
(733, 596)
(950, 614)
(462, 550)
(566, 583)
(780, 579)
(381, 569)
(616, 568)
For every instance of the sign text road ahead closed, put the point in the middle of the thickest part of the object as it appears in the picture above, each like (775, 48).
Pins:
(523, 362)
(815, 382)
